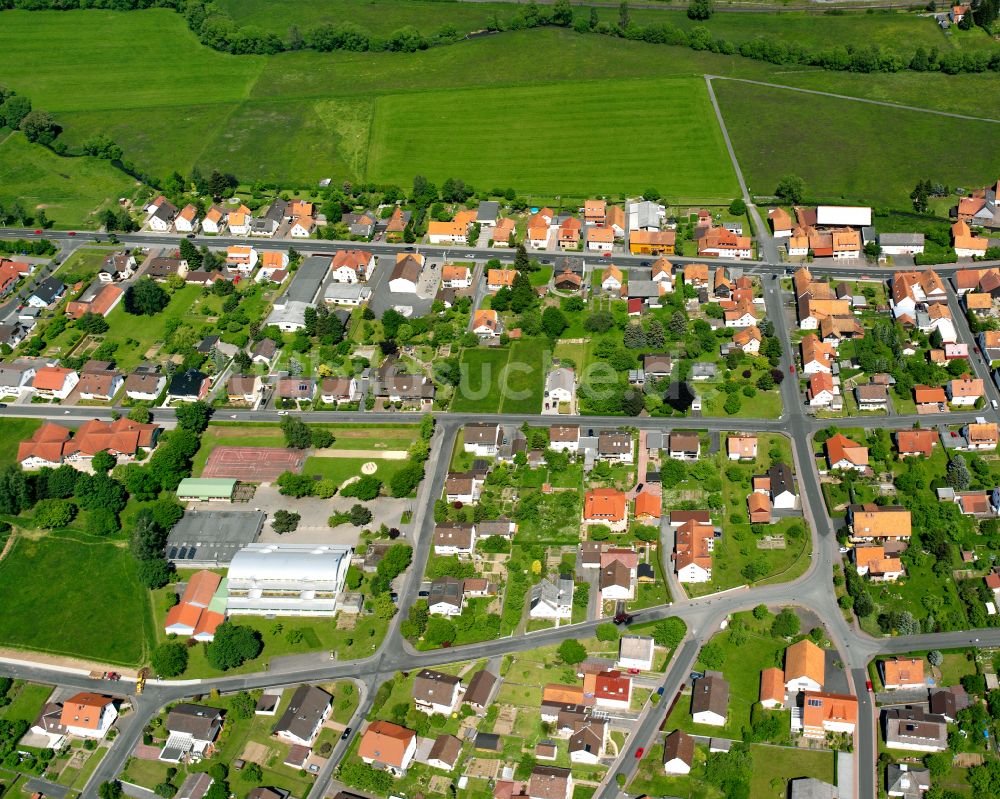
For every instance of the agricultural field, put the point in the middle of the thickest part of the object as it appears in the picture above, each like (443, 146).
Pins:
(687, 153)
(70, 190)
(277, 117)
(922, 144)
(81, 570)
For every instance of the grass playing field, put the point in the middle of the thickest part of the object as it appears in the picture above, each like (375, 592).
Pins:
(71, 190)
(91, 605)
(848, 151)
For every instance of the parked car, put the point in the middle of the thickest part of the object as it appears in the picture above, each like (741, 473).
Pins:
(347, 732)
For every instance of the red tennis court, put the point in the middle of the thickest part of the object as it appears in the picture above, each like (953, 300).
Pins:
(252, 464)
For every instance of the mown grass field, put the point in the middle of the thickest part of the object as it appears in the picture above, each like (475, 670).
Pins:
(597, 124)
(848, 151)
(143, 78)
(71, 190)
(73, 594)
(509, 380)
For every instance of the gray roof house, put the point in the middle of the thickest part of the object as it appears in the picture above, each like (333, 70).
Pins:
(301, 721)
(487, 213)
(911, 727)
(906, 781)
(552, 599)
(480, 690)
(646, 215)
(812, 788)
(703, 371)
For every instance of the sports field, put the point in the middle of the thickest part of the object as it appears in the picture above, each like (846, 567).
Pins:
(252, 464)
(849, 151)
(91, 605)
(546, 137)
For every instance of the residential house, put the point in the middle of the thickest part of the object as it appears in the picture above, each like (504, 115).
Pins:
(989, 343)
(648, 507)
(454, 232)
(662, 271)
(560, 389)
(388, 746)
(645, 215)
(464, 487)
(436, 692)
(696, 275)
(497, 279)
(909, 290)
(684, 446)
(615, 219)
(741, 447)
(538, 227)
(339, 390)
(600, 239)
(635, 653)
(823, 713)
(47, 293)
(549, 782)
(678, 753)
(910, 443)
(870, 522)
(778, 484)
(652, 242)
(214, 221)
(302, 227)
(772, 688)
(551, 599)
(446, 597)
(445, 752)
(947, 701)
(929, 399)
(615, 446)
(781, 222)
(913, 728)
(710, 700)
(966, 243)
(482, 439)
(54, 382)
(456, 277)
(586, 744)
(873, 562)
(748, 339)
(187, 219)
(352, 266)
(657, 366)
(487, 213)
(605, 506)
(569, 233)
(617, 580)
(481, 689)
(981, 435)
(504, 233)
(16, 377)
(99, 384)
(304, 716)
(612, 690)
(564, 438)
(965, 391)
(611, 279)
(396, 225)
(720, 242)
(805, 667)
(88, 715)
(906, 780)
(191, 616)
(595, 212)
(117, 267)
(406, 273)
(191, 729)
(160, 214)
(842, 453)
(759, 508)
(239, 221)
(693, 547)
(296, 389)
(901, 674)
(144, 385)
(455, 539)
(188, 386)
(486, 323)
(812, 788)
(872, 397)
(817, 356)
(360, 225)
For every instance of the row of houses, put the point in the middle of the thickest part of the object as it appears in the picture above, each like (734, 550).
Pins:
(163, 216)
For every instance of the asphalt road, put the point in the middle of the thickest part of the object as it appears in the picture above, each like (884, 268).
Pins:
(812, 590)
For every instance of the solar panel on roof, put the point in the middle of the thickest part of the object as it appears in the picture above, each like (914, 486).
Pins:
(172, 553)
(190, 555)
(182, 553)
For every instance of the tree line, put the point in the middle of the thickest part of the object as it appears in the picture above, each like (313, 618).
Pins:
(216, 29)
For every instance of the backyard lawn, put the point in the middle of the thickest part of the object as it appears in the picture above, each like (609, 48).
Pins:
(27, 699)
(79, 571)
(12, 433)
(508, 380)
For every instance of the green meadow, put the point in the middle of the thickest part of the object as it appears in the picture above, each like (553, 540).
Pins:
(548, 111)
(849, 151)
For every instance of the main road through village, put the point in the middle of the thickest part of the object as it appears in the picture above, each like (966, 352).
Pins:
(813, 591)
